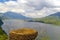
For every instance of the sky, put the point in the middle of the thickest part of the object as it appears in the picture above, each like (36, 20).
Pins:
(30, 8)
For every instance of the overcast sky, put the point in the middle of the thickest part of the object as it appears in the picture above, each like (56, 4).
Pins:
(30, 8)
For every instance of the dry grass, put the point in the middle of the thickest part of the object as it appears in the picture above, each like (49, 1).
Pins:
(23, 34)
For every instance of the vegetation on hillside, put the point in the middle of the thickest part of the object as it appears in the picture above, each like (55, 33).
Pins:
(3, 35)
(49, 20)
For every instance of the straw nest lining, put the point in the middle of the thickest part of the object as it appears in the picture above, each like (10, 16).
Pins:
(23, 34)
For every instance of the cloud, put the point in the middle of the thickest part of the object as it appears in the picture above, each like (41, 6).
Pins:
(31, 8)
(10, 6)
(14, 7)
(3, 8)
(53, 3)
(41, 13)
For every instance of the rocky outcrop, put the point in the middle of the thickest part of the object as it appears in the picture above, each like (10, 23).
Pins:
(23, 34)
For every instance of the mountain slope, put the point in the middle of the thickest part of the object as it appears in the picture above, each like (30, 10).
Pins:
(51, 19)
(14, 15)
(56, 14)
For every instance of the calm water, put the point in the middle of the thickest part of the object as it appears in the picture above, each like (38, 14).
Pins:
(44, 29)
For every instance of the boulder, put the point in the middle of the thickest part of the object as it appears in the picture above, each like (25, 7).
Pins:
(23, 34)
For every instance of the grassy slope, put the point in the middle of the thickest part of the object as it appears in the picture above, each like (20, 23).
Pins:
(49, 20)
(3, 36)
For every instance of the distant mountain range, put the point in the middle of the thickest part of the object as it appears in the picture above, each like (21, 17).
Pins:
(56, 14)
(51, 19)
(13, 15)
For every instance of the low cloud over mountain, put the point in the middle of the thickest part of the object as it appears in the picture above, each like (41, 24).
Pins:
(31, 8)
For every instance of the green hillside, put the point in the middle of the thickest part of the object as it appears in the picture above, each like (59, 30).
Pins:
(3, 35)
(49, 20)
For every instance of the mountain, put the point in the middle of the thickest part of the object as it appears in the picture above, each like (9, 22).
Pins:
(56, 14)
(13, 15)
(1, 14)
(51, 19)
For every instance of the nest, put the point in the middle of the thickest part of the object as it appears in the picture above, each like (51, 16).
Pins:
(23, 34)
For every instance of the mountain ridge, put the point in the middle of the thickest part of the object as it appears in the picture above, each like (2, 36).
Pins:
(14, 15)
(56, 14)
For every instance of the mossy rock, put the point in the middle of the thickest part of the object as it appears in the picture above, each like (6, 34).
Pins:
(23, 34)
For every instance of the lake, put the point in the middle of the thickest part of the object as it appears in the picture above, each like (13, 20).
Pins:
(43, 29)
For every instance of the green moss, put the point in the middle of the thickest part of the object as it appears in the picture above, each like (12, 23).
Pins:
(3, 36)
